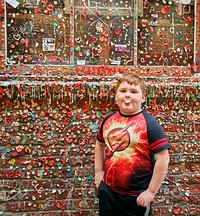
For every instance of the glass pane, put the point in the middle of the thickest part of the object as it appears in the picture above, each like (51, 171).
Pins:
(38, 33)
(103, 32)
(166, 33)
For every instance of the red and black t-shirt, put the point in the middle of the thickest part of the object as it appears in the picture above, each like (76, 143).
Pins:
(131, 143)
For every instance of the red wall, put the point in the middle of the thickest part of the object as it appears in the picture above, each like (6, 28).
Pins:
(48, 124)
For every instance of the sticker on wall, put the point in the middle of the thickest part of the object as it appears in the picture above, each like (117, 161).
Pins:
(81, 62)
(120, 48)
(13, 3)
(32, 2)
(186, 1)
(154, 19)
(48, 44)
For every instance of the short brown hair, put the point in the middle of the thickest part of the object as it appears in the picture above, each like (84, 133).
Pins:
(132, 79)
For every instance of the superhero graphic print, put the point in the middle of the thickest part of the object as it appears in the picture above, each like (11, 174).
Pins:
(129, 154)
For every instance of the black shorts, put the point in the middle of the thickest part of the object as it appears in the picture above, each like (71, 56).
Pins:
(115, 204)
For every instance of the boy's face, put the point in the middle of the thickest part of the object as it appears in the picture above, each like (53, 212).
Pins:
(129, 98)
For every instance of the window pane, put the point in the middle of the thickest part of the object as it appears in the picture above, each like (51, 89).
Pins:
(37, 33)
(103, 32)
(166, 33)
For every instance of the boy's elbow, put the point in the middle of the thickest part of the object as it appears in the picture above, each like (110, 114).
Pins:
(163, 156)
(167, 157)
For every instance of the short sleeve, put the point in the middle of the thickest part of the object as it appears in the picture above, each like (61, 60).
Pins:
(100, 137)
(156, 136)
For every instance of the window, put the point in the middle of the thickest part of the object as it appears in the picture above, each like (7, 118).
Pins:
(38, 33)
(101, 32)
(166, 33)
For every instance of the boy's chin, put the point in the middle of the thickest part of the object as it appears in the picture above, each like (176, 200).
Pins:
(129, 111)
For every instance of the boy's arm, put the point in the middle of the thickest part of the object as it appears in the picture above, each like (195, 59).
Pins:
(159, 173)
(99, 155)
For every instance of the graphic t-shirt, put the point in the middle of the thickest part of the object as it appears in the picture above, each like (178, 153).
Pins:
(131, 143)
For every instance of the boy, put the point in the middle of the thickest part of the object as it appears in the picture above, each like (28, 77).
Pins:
(131, 154)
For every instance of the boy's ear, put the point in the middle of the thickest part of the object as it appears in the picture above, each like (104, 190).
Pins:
(143, 98)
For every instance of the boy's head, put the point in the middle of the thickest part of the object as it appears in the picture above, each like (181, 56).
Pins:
(130, 94)
(132, 79)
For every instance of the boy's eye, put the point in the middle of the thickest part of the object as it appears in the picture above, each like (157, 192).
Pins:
(123, 90)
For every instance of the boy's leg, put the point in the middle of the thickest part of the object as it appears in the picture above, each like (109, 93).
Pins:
(127, 206)
(106, 201)
(114, 204)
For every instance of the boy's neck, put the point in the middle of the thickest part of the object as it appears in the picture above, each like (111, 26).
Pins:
(130, 114)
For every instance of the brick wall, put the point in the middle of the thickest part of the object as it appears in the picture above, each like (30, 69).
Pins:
(47, 144)
(48, 127)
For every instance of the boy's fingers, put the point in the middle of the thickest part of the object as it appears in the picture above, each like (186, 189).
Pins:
(96, 190)
(96, 185)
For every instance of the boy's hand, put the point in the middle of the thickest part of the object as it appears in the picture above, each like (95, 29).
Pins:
(145, 198)
(97, 180)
